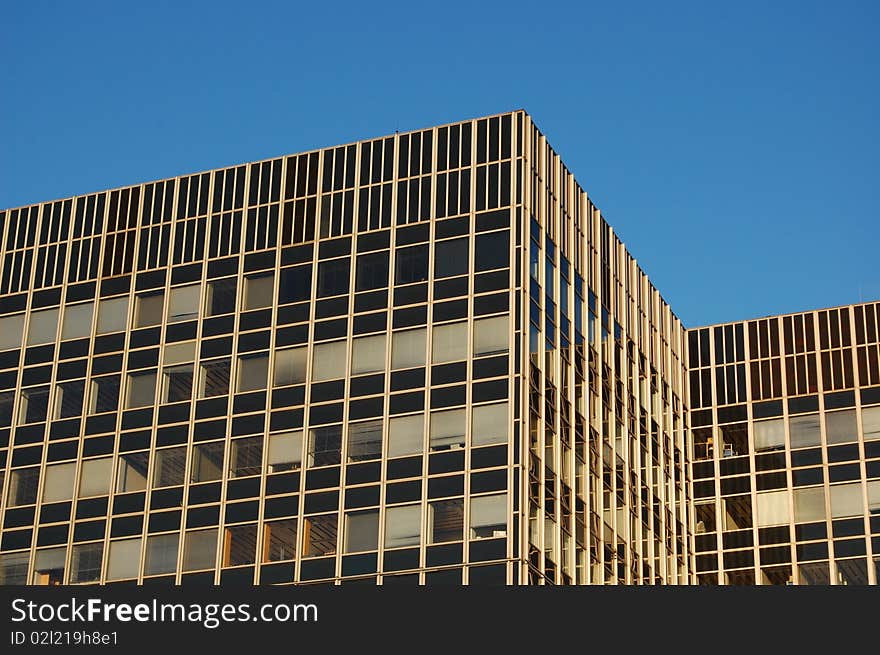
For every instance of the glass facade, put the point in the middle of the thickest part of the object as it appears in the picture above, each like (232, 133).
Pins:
(419, 359)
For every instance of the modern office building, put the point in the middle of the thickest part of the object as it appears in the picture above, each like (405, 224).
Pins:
(786, 458)
(424, 358)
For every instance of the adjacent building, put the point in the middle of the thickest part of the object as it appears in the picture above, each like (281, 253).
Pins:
(418, 359)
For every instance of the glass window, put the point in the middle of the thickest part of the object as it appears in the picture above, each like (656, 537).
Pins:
(296, 284)
(253, 371)
(240, 545)
(279, 540)
(177, 383)
(874, 498)
(320, 535)
(132, 474)
(247, 457)
(492, 250)
(96, 476)
(221, 296)
(448, 429)
(161, 556)
(7, 403)
(141, 389)
(372, 271)
(149, 308)
(804, 431)
(449, 343)
(34, 405)
(290, 366)
(411, 265)
(200, 549)
(491, 336)
(85, 563)
(259, 291)
(361, 531)
(11, 328)
(59, 482)
(77, 322)
(124, 559)
(14, 568)
(112, 315)
(207, 464)
(183, 304)
(23, 485)
(285, 451)
(451, 258)
(809, 504)
(490, 424)
(170, 466)
(333, 277)
(368, 354)
(214, 378)
(403, 526)
(408, 348)
(840, 427)
(364, 441)
(846, 500)
(43, 326)
(180, 353)
(769, 435)
(69, 399)
(871, 422)
(328, 361)
(772, 508)
(489, 516)
(49, 566)
(325, 445)
(406, 435)
(105, 394)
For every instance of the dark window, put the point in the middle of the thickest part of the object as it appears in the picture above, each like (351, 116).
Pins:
(221, 296)
(492, 250)
(411, 265)
(372, 271)
(333, 277)
(451, 258)
(296, 284)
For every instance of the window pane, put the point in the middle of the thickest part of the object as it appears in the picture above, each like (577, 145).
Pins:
(406, 435)
(325, 445)
(449, 343)
(214, 378)
(871, 422)
(247, 457)
(14, 568)
(809, 504)
(451, 258)
(368, 354)
(772, 508)
(85, 563)
(320, 535)
(77, 321)
(141, 389)
(279, 540)
(372, 271)
(95, 477)
(34, 404)
(184, 303)
(105, 394)
(408, 348)
(403, 526)
(59, 482)
(149, 308)
(112, 315)
(411, 265)
(840, 427)
(804, 431)
(874, 498)
(364, 441)
(132, 474)
(7, 402)
(124, 560)
(69, 399)
(259, 291)
(49, 566)
(447, 429)
(221, 296)
(846, 500)
(333, 277)
(180, 353)
(361, 531)
(328, 361)
(285, 451)
(296, 284)
(492, 250)
(200, 549)
(240, 545)
(178, 383)
(489, 516)
(161, 556)
(207, 462)
(290, 366)
(170, 466)
(490, 424)
(23, 485)
(253, 371)
(769, 435)
(43, 327)
(491, 336)
(11, 328)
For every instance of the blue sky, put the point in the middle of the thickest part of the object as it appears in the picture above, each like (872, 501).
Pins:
(733, 146)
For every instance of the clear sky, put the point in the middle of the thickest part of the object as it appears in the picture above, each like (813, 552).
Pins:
(732, 145)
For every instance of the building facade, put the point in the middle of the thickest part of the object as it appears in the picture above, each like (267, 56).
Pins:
(786, 458)
(420, 359)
